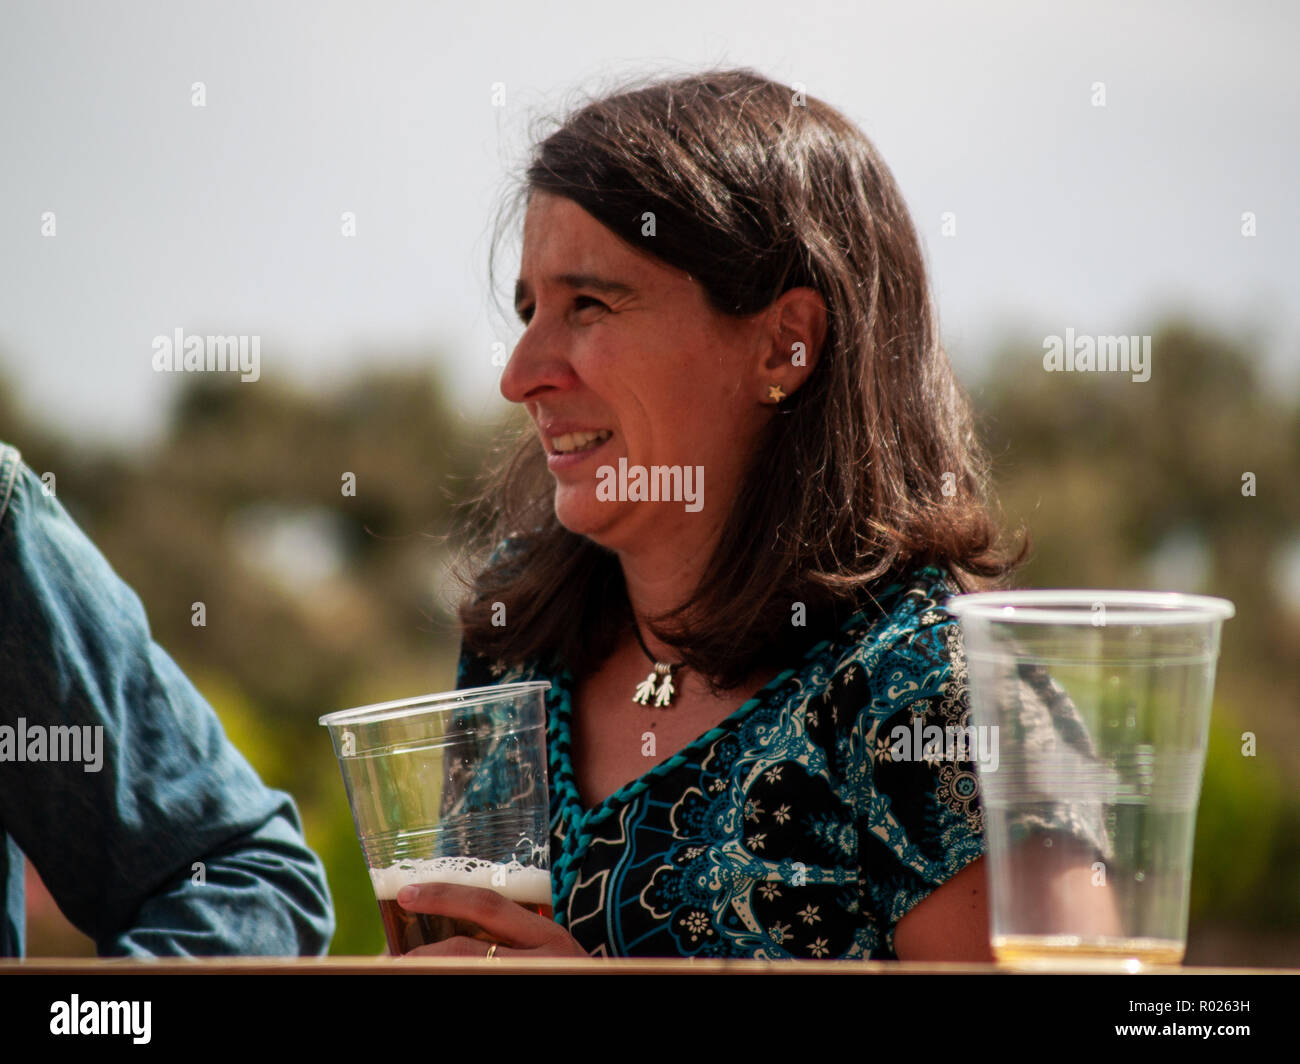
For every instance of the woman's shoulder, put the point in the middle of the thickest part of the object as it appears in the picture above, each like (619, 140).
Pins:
(900, 641)
(474, 669)
(907, 612)
(479, 670)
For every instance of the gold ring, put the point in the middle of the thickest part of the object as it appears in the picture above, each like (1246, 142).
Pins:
(491, 953)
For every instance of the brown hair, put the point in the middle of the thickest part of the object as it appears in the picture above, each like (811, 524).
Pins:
(873, 472)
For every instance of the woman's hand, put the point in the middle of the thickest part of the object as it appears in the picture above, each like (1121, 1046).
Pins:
(519, 932)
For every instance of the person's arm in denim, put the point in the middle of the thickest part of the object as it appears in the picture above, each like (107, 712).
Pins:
(174, 845)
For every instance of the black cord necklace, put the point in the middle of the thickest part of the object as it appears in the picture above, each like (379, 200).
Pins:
(663, 675)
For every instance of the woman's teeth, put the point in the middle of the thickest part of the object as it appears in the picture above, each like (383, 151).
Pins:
(579, 441)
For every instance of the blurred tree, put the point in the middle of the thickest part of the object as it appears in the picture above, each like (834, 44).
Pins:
(1107, 472)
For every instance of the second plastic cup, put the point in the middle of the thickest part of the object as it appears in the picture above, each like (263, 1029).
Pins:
(1098, 704)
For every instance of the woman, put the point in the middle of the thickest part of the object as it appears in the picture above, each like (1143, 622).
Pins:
(749, 482)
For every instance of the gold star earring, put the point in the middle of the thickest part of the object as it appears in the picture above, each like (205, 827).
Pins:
(774, 393)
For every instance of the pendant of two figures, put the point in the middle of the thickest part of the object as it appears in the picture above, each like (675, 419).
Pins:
(645, 690)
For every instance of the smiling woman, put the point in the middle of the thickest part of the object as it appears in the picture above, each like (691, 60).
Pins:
(719, 276)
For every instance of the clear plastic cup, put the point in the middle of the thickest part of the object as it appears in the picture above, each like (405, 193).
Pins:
(1098, 705)
(449, 788)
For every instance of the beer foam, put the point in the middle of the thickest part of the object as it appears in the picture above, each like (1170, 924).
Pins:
(527, 885)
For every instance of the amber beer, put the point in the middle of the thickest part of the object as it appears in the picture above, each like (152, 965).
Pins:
(527, 887)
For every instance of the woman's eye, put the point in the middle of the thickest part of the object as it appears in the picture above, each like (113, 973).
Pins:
(579, 303)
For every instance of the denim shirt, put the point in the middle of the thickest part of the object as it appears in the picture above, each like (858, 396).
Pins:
(149, 828)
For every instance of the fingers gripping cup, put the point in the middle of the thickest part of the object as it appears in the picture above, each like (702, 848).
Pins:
(1099, 705)
(449, 788)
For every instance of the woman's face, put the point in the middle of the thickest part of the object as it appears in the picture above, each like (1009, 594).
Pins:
(623, 358)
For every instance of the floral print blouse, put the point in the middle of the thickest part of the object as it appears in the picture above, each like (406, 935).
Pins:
(788, 830)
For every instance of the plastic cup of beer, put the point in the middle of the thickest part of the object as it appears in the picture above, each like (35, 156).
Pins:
(1098, 705)
(449, 788)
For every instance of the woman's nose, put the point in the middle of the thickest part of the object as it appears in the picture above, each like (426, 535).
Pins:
(537, 363)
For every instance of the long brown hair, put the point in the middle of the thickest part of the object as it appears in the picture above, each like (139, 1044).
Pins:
(873, 472)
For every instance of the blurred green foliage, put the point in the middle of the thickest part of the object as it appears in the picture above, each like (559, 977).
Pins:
(316, 600)
(1240, 846)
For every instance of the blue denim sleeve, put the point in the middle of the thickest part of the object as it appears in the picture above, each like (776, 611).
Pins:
(151, 831)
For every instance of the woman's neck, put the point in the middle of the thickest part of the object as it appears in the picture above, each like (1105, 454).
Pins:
(661, 576)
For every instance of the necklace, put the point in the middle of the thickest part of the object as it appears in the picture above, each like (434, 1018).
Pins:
(663, 674)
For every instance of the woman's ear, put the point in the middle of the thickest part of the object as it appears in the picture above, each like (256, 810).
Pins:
(796, 330)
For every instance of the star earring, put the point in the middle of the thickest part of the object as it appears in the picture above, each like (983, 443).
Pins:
(775, 394)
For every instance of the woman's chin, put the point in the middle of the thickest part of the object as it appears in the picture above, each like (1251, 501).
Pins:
(582, 517)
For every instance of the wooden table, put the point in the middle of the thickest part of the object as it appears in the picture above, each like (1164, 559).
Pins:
(546, 966)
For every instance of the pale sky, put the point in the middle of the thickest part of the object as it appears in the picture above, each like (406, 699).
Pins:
(226, 218)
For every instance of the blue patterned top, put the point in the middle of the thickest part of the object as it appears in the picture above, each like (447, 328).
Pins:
(788, 830)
